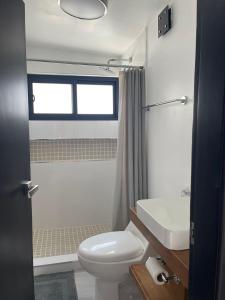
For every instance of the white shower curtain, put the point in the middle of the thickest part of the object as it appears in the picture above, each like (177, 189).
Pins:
(131, 179)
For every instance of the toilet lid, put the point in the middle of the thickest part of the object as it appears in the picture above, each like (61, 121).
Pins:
(111, 247)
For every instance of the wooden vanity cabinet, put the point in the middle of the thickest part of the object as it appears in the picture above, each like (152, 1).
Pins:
(177, 263)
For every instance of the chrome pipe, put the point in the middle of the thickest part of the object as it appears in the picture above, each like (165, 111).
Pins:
(66, 62)
(182, 100)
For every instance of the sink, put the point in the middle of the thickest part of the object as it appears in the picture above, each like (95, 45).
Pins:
(167, 219)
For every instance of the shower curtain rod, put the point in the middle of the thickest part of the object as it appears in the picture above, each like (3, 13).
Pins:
(83, 63)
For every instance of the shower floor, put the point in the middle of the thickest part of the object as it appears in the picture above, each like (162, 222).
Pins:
(61, 241)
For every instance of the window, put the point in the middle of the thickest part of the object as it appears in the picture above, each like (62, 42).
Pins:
(72, 97)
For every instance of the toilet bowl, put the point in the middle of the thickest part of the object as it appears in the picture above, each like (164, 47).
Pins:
(107, 256)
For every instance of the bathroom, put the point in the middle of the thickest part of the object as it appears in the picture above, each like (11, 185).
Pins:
(113, 129)
(76, 195)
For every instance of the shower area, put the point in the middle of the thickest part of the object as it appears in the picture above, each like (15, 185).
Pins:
(49, 242)
(74, 164)
(76, 180)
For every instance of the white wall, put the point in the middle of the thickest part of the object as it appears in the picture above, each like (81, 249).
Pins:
(53, 53)
(71, 193)
(170, 63)
(73, 129)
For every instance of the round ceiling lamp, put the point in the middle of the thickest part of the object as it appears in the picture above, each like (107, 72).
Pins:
(85, 9)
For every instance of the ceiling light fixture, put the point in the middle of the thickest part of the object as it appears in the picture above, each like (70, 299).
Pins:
(85, 9)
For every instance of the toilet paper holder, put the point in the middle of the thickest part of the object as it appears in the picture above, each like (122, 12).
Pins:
(164, 278)
(167, 279)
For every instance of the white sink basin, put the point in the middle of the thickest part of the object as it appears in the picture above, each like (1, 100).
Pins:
(168, 220)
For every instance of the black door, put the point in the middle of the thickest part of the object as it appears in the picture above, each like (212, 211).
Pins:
(208, 164)
(16, 266)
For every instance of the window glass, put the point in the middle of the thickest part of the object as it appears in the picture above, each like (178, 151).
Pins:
(51, 98)
(94, 99)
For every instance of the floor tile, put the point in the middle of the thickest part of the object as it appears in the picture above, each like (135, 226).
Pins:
(61, 241)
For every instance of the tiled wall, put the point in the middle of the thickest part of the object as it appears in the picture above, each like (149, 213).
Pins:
(72, 149)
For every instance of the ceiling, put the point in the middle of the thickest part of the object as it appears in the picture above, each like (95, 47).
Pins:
(47, 25)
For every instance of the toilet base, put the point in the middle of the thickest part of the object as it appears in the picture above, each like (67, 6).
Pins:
(106, 290)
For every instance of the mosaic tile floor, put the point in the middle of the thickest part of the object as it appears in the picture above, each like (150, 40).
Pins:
(60, 241)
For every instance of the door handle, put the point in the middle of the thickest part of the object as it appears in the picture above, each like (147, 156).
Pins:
(29, 188)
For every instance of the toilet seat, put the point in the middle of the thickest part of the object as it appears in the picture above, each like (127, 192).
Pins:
(111, 247)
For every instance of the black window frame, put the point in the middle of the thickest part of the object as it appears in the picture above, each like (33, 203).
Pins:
(73, 80)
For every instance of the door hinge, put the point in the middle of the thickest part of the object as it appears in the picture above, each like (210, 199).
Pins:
(192, 233)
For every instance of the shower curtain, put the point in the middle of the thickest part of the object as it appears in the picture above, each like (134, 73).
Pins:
(131, 177)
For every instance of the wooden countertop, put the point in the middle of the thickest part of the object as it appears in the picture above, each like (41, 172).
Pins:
(177, 261)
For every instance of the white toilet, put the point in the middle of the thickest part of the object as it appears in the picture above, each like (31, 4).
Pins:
(108, 256)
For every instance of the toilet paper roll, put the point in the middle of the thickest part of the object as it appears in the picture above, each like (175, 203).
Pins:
(155, 269)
